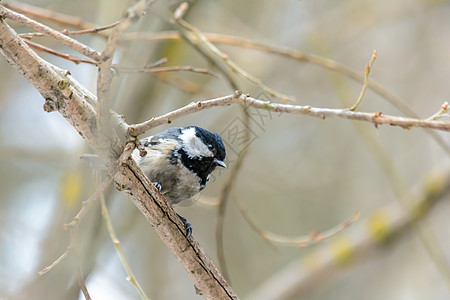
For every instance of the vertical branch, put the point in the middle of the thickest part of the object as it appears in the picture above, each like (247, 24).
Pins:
(105, 74)
(366, 81)
(223, 200)
(116, 242)
(80, 275)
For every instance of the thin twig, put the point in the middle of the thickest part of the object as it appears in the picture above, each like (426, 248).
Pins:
(223, 201)
(442, 112)
(131, 278)
(86, 204)
(255, 227)
(167, 69)
(73, 226)
(56, 262)
(297, 241)
(212, 59)
(73, 32)
(50, 15)
(74, 44)
(366, 81)
(176, 82)
(81, 282)
(158, 63)
(184, 85)
(74, 59)
(327, 63)
(225, 58)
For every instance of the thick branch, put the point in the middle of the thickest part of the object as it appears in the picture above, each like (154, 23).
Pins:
(71, 100)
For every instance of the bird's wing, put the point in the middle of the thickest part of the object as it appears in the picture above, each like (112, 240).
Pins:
(169, 134)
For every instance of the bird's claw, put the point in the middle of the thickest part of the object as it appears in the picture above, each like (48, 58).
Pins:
(187, 225)
(157, 185)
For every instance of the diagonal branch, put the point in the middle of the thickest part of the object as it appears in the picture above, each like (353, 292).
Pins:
(200, 37)
(74, 59)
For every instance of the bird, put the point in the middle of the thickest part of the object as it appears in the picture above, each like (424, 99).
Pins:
(179, 162)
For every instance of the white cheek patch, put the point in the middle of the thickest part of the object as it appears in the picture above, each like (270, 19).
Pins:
(194, 146)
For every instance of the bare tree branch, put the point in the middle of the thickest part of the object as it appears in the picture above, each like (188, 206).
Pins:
(327, 63)
(167, 69)
(105, 75)
(112, 233)
(74, 44)
(74, 59)
(323, 113)
(68, 97)
(223, 56)
(74, 32)
(297, 241)
(63, 94)
(293, 54)
(42, 13)
(366, 80)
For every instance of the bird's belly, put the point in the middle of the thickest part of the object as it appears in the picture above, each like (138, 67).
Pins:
(178, 185)
(177, 182)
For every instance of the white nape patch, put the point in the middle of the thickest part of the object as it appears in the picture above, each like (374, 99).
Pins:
(194, 146)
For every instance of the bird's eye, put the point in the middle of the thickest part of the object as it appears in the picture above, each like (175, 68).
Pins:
(210, 146)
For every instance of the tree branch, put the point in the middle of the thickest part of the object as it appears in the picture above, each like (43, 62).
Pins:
(68, 41)
(323, 113)
(105, 75)
(233, 67)
(70, 99)
(74, 59)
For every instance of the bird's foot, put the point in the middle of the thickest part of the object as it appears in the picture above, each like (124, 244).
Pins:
(158, 186)
(187, 225)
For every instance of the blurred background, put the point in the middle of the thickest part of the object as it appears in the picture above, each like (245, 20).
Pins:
(298, 174)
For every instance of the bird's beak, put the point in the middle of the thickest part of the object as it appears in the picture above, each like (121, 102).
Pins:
(220, 163)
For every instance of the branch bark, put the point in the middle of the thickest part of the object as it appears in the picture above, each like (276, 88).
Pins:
(65, 95)
(238, 98)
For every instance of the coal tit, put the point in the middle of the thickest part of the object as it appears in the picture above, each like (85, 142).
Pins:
(180, 160)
